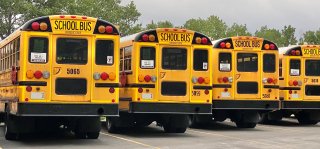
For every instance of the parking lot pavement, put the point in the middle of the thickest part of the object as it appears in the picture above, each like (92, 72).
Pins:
(285, 134)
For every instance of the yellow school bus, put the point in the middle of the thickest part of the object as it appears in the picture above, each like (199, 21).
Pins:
(59, 70)
(299, 84)
(245, 79)
(165, 74)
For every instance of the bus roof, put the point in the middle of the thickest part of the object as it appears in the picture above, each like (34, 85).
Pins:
(259, 44)
(303, 50)
(127, 40)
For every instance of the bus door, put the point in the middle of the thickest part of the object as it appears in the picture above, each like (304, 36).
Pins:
(71, 64)
(174, 73)
(247, 75)
(311, 81)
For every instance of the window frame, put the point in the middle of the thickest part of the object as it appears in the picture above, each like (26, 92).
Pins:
(113, 51)
(162, 57)
(275, 63)
(155, 56)
(29, 51)
(72, 63)
(299, 66)
(257, 68)
(193, 65)
(305, 66)
(220, 62)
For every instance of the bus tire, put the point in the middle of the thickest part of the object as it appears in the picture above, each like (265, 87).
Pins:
(306, 118)
(111, 126)
(9, 125)
(193, 123)
(246, 125)
(93, 135)
(80, 135)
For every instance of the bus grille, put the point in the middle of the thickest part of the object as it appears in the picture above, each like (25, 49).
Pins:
(174, 88)
(67, 86)
(247, 88)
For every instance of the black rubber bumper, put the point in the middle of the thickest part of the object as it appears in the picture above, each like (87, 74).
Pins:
(38, 109)
(246, 104)
(170, 108)
(300, 105)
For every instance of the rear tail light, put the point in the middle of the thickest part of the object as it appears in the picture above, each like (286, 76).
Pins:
(141, 78)
(43, 26)
(200, 80)
(225, 79)
(228, 45)
(147, 78)
(46, 74)
(206, 91)
(230, 79)
(198, 40)
(111, 90)
(270, 80)
(300, 83)
(295, 82)
(153, 78)
(35, 26)
(297, 52)
(293, 52)
(264, 80)
(225, 90)
(28, 88)
(272, 46)
(220, 80)
(152, 38)
(275, 81)
(30, 74)
(206, 80)
(194, 80)
(290, 83)
(267, 46)
(101, 29)
(96, 76)
(145, 37)
(104, 76)
(204, 40)
(38, 74)
(140, 90)
(112, 76)
(290, 91)
(222, 45)
(109, 29)
(269, 90)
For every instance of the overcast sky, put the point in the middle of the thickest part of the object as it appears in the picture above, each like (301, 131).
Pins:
(301, 14)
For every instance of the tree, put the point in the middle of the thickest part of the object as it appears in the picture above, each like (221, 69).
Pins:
(160, 24)
(287, 36)
(10, 14)
(213, 26)
(311, 37)
(238, 30)
(13, 13)
(273, 35)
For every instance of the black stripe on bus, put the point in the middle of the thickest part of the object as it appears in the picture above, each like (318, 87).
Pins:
(202, 87)
(141, 85)
(271, 86)
(290, 88)
(281, 78)
(125, 99)
(107, 85)
(32, 83)
(221, 85)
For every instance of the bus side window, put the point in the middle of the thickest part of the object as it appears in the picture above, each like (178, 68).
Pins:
(104, 52)
(225, 63)
(269, 63)
(200, 60)
(38, 50)
(295, 67)
(147, 57)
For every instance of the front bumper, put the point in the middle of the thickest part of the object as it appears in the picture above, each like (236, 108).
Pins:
(58, 109)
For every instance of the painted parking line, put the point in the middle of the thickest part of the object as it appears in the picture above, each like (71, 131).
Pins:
(129, 140)
(235, 138)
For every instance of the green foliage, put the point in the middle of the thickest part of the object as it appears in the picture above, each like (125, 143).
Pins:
(14, 13)
(287, 36)
(160, 24)
(312, 37)
(213, 26)
(238, 30)
(273, 35)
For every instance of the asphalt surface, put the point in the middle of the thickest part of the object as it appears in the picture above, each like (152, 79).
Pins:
(285, 134)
